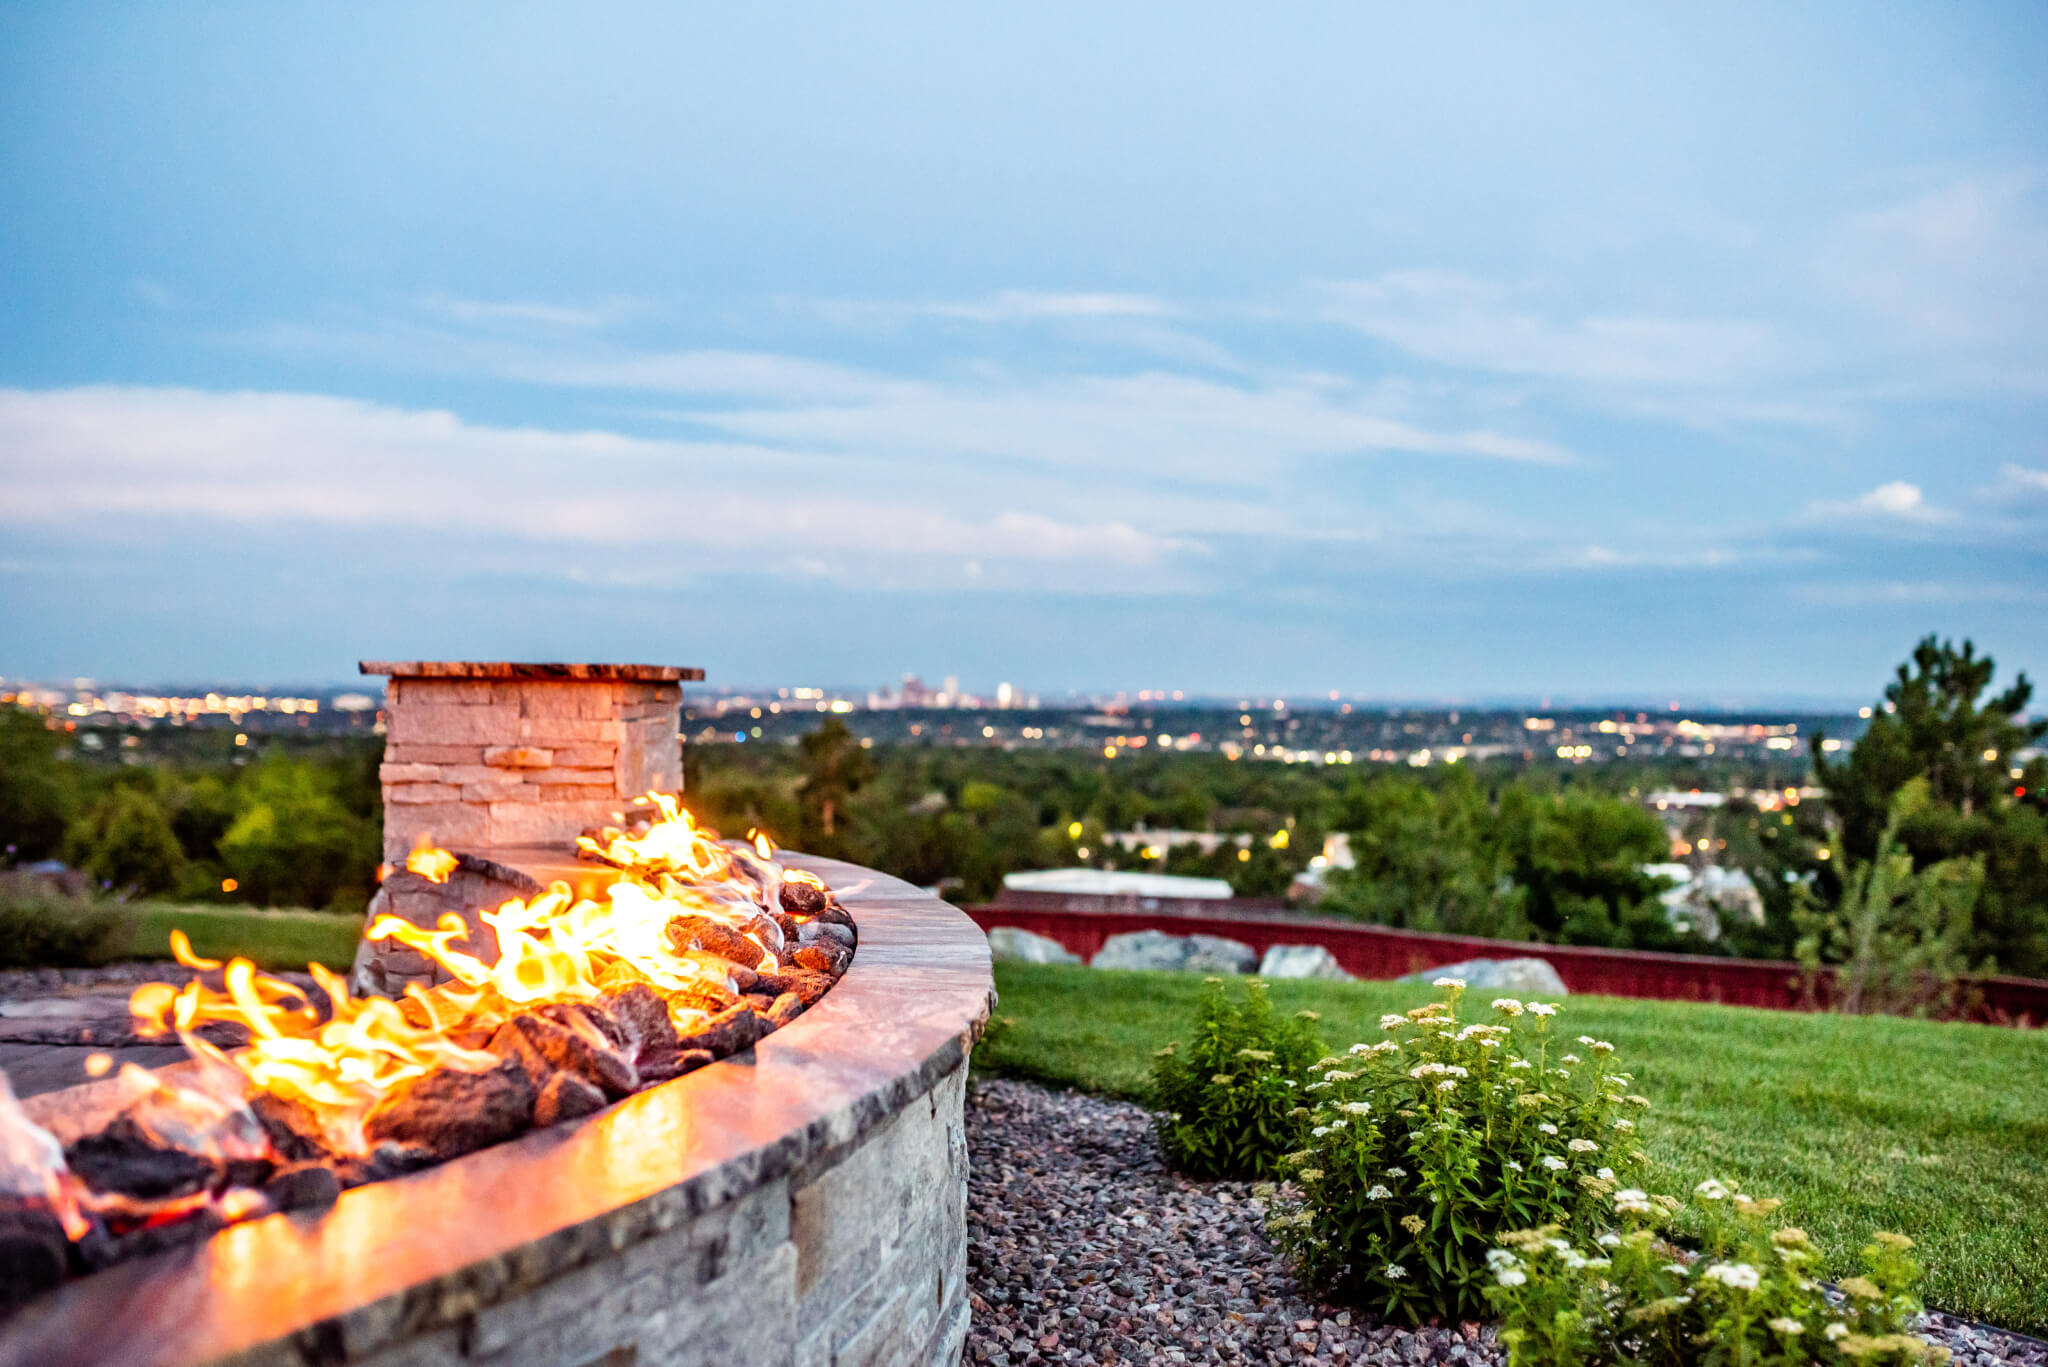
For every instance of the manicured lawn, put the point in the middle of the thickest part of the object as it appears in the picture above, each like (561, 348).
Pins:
(273, 939)
(1936, 1131)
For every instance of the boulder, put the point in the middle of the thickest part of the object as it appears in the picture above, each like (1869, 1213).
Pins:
(1155, 950)
(1300, 961)
(1214, 954)
(1021, 946)
(1522, 977)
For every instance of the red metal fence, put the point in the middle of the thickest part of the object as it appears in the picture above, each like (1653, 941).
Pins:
(1082, 923)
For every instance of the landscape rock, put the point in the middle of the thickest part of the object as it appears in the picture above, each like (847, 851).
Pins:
(1300, 961)
(1157, 951)
(1021, 946)
(1527, 977)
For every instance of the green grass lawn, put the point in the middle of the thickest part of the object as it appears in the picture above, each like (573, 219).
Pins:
(273, 939)
(1937, 1131)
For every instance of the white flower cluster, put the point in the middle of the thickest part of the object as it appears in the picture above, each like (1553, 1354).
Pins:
(1453, 984)
(1741, 1276)
(1424, 1070)
(1507, 1006)
(1631, 1201)
(1541, 1009)
(1583, 1146)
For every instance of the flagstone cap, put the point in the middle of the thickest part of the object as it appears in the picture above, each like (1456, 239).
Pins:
(513, 669)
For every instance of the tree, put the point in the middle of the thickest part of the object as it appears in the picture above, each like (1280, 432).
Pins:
(1932, 726)
(294, 843)
(35, 796)
(125, 841)
(835, 768)
(1899, 935)
(1936, 726)
(1427, 860)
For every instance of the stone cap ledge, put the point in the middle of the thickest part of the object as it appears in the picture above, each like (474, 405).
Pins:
(399, 1258)
(512, 669)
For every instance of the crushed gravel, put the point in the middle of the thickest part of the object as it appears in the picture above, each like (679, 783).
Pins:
(1083, 1248)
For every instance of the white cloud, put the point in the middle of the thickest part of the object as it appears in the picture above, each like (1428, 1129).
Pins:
(526, 312)
(1963, 267)
(1003, 306)
(1899, 502)
(76, 457)
(1460, 320)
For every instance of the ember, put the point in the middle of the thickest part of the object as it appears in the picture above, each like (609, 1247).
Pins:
(699, 948)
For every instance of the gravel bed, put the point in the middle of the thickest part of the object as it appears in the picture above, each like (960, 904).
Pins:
(1083, 1248)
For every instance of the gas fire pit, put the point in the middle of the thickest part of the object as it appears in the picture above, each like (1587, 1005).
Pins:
(738, 1075)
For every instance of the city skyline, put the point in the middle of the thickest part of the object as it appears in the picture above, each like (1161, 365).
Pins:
(1613, 354)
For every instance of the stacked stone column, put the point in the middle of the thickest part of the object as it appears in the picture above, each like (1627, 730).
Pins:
(489, 756)
(484, 758)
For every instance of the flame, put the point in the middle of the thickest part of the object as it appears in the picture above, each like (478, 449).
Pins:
(338, 1061)
(429, 861)
(32, 1166)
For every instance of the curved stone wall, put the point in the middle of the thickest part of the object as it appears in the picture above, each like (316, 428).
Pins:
(801, 1203)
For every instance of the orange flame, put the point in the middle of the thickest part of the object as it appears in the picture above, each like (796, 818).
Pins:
(429, 861)
(554, 947)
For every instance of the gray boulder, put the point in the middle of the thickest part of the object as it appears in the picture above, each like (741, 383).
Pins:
(1157, 951)
(1523, 977)
(1214, 954)
(1021, 946)
(1300, 961)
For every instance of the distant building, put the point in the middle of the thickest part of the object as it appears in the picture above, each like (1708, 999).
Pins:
(1104, 883)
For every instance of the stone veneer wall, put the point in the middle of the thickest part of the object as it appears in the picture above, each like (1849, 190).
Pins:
(484, 763)
(857, 1259)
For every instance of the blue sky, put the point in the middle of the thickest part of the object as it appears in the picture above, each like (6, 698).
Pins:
(1616, 353)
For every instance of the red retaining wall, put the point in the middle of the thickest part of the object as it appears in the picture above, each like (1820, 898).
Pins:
(1082, 923)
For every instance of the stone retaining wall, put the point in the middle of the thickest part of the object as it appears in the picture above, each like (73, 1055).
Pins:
(801, 1203)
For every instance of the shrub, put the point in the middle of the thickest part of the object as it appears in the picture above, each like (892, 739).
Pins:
(1426, 1147)
(39, 929)
(1230, 1102)
(1749, 1298)
(125, 842)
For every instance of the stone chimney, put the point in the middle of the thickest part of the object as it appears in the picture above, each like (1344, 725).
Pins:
(493, 755)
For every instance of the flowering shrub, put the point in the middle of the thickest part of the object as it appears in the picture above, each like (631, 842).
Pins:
(1228, 1100)
(1750, 1298)
(1424, 1148)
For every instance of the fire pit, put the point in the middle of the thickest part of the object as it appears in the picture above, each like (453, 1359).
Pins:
(802, 1198)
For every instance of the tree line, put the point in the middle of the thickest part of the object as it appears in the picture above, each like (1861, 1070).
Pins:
(1928, 850)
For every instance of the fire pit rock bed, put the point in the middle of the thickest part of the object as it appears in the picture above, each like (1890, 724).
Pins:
(802, 1201)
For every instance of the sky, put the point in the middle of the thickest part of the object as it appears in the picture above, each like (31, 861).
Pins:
(1614, 353)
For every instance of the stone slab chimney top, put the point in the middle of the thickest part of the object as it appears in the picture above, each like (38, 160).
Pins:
(485, 755)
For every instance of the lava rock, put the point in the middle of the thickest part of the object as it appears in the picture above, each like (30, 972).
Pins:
(808, 986)
(785, 1009)
(543, 1045)
(728, 1032)
(294, 1131)
(701, 932)
(666, 1065)
(823, 958)
(302, 1186)
(123, 1157)
(641, 1015)
(566, 1097)
(804, 899)
(825, 933)
(448, 1112)
(33, 1252)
